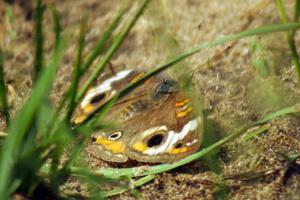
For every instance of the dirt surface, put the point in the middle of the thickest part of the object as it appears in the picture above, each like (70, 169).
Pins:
(231, 90)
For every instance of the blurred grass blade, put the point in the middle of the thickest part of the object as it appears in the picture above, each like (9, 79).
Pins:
(258, 59)
(93, 179)
(281, 11)
(289, 37)
(20, 126)
(9, 20)
(112, 49)
(256, 132)
(143, 171)
(56, 28)
(296, 11)
(57, 32)
(92, 119)
(137, 183)
(285, 111)
(76, 70)
(95, 52)
(75, 153)
(3, 93)
(57, 38)
(39, 39)
(77, 149)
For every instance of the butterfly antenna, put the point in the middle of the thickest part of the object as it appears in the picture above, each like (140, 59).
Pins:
(214, 58)
(111, 68)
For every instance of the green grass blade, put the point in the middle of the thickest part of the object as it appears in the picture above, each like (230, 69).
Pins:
(112, 49)
(76, 72)
(289, 37)
(39, 39)
(56, 28)
(296, 11)
(285, 111)
(255, 132)
(296, 14)
(258, 59)
(9, 20)
(57, 36)
(76, 149)
(20, 126)
(95, 52)
(143, 171)
(281, 11)
(137, 183)
(261, 30)
(3, 93)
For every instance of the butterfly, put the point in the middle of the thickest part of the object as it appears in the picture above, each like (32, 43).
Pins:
(155, 122)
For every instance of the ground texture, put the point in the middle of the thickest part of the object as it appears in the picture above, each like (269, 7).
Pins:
(232, 91)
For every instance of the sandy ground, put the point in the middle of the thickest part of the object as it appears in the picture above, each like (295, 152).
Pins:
(232, 92)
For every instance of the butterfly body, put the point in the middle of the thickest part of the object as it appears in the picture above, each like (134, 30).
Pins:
(154, 121)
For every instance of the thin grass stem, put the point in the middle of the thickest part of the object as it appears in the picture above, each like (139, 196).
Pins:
(96, 51)
(3, 92)
(112, 49)
(261, 30)
(136, 184)
(76, 72)
(296, 11)
(39, 39)
(148, 170)
(289, 36)
(56, 27)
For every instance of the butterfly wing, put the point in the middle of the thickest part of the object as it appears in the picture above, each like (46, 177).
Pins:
(154, 125)
(125, 113)
(169, 135)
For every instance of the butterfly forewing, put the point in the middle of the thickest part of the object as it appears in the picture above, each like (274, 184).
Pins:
(154, 122)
